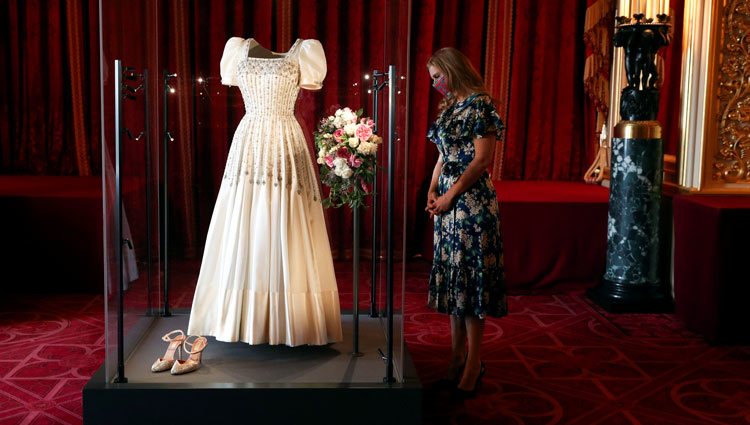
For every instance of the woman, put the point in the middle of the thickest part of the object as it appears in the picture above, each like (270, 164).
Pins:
(466, 280)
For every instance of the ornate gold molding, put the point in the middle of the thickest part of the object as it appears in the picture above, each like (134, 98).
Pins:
(715, 110)
(731, 161)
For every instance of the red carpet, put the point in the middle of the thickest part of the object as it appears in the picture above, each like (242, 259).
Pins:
(556, 359)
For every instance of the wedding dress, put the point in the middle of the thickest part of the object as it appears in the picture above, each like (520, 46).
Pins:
(267, 272)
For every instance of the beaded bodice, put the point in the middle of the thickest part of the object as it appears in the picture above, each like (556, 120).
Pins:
(269, 147)
(269, 86)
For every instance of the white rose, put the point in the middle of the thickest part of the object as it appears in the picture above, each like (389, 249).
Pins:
(338, 122)
(339, 162)
(322, 152)
(349, 117)
(342, 170)
(339, 112)
(331, 118)
(350, 129)
(321, 160)
(353, 142)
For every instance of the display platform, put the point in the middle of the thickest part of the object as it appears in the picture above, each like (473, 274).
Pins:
(258, 384)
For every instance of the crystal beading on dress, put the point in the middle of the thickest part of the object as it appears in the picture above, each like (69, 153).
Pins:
(267, 272)
(269, 89)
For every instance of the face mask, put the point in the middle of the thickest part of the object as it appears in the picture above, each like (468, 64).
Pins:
(441, 85)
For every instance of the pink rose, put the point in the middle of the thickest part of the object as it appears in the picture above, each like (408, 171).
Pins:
(354, 161)
(364, 186)
(370, 123)
(329, 161)
(363, 132)
(339, 135)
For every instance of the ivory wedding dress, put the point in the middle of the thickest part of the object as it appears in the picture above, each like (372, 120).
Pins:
(267, 272)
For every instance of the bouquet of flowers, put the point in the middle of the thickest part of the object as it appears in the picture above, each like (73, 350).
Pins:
(346, 154)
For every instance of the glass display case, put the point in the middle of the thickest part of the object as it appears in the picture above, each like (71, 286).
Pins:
(168, 127)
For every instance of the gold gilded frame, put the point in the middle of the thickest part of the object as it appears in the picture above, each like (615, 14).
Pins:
(715, 107)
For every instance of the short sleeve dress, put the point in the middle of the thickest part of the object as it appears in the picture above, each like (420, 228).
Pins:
(267, 273)
(467, 277)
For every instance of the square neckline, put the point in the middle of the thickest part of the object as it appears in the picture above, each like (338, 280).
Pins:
(281, 55)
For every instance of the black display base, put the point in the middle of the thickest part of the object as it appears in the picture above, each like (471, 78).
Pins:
(258, 384)
(618, 297)
(252, 404)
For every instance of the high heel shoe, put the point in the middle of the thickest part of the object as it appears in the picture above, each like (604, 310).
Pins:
(194, 361)
(466, 394)
(449, 381)
(175, 340)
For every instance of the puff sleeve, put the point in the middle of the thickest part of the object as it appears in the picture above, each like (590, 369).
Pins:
(229, 60)
(312, 65)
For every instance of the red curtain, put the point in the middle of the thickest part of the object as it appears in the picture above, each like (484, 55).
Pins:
(669, 102)
(49, 123)
(52, 66)
(545, 135)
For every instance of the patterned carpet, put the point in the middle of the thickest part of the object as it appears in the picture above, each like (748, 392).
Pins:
(557, 359)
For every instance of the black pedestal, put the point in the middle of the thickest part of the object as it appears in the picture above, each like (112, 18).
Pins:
(616, 297)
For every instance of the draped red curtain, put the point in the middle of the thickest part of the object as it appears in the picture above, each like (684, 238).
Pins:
(669, 102)
(545, 136)
(531, 52)
(49, 94)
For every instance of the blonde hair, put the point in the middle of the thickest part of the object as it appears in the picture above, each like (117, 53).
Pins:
(460, 75)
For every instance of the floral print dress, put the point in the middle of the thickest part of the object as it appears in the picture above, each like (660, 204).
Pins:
(467, 277)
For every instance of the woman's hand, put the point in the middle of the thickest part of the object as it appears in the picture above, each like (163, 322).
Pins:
(431, 198)
(442, 204)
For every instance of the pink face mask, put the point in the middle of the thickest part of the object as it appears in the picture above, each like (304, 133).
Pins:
(441, 85)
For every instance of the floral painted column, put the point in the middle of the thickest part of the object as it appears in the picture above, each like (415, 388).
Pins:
(631, 282)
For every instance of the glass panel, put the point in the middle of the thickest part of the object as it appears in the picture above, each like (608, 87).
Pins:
(397, 30)
(187, 40)
(125, 27)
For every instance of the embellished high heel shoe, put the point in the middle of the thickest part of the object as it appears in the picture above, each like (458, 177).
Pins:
(466, 394)
(194, 361)
(175, 339)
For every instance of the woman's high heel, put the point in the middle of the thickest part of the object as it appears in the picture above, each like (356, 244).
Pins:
(194, 361)
(175, 339)
(465, 394)
(451, 380)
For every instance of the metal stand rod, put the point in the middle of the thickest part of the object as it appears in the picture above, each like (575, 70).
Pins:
(120, 378)
(389, 213)
(149, 201)
(355, 284)
(167, 137)
(375, 203)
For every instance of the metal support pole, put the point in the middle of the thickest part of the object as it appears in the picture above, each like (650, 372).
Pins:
(149, 201)
(355, 283)
(375, 202)
(389, 213)
(120, 378)
(166, 138)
